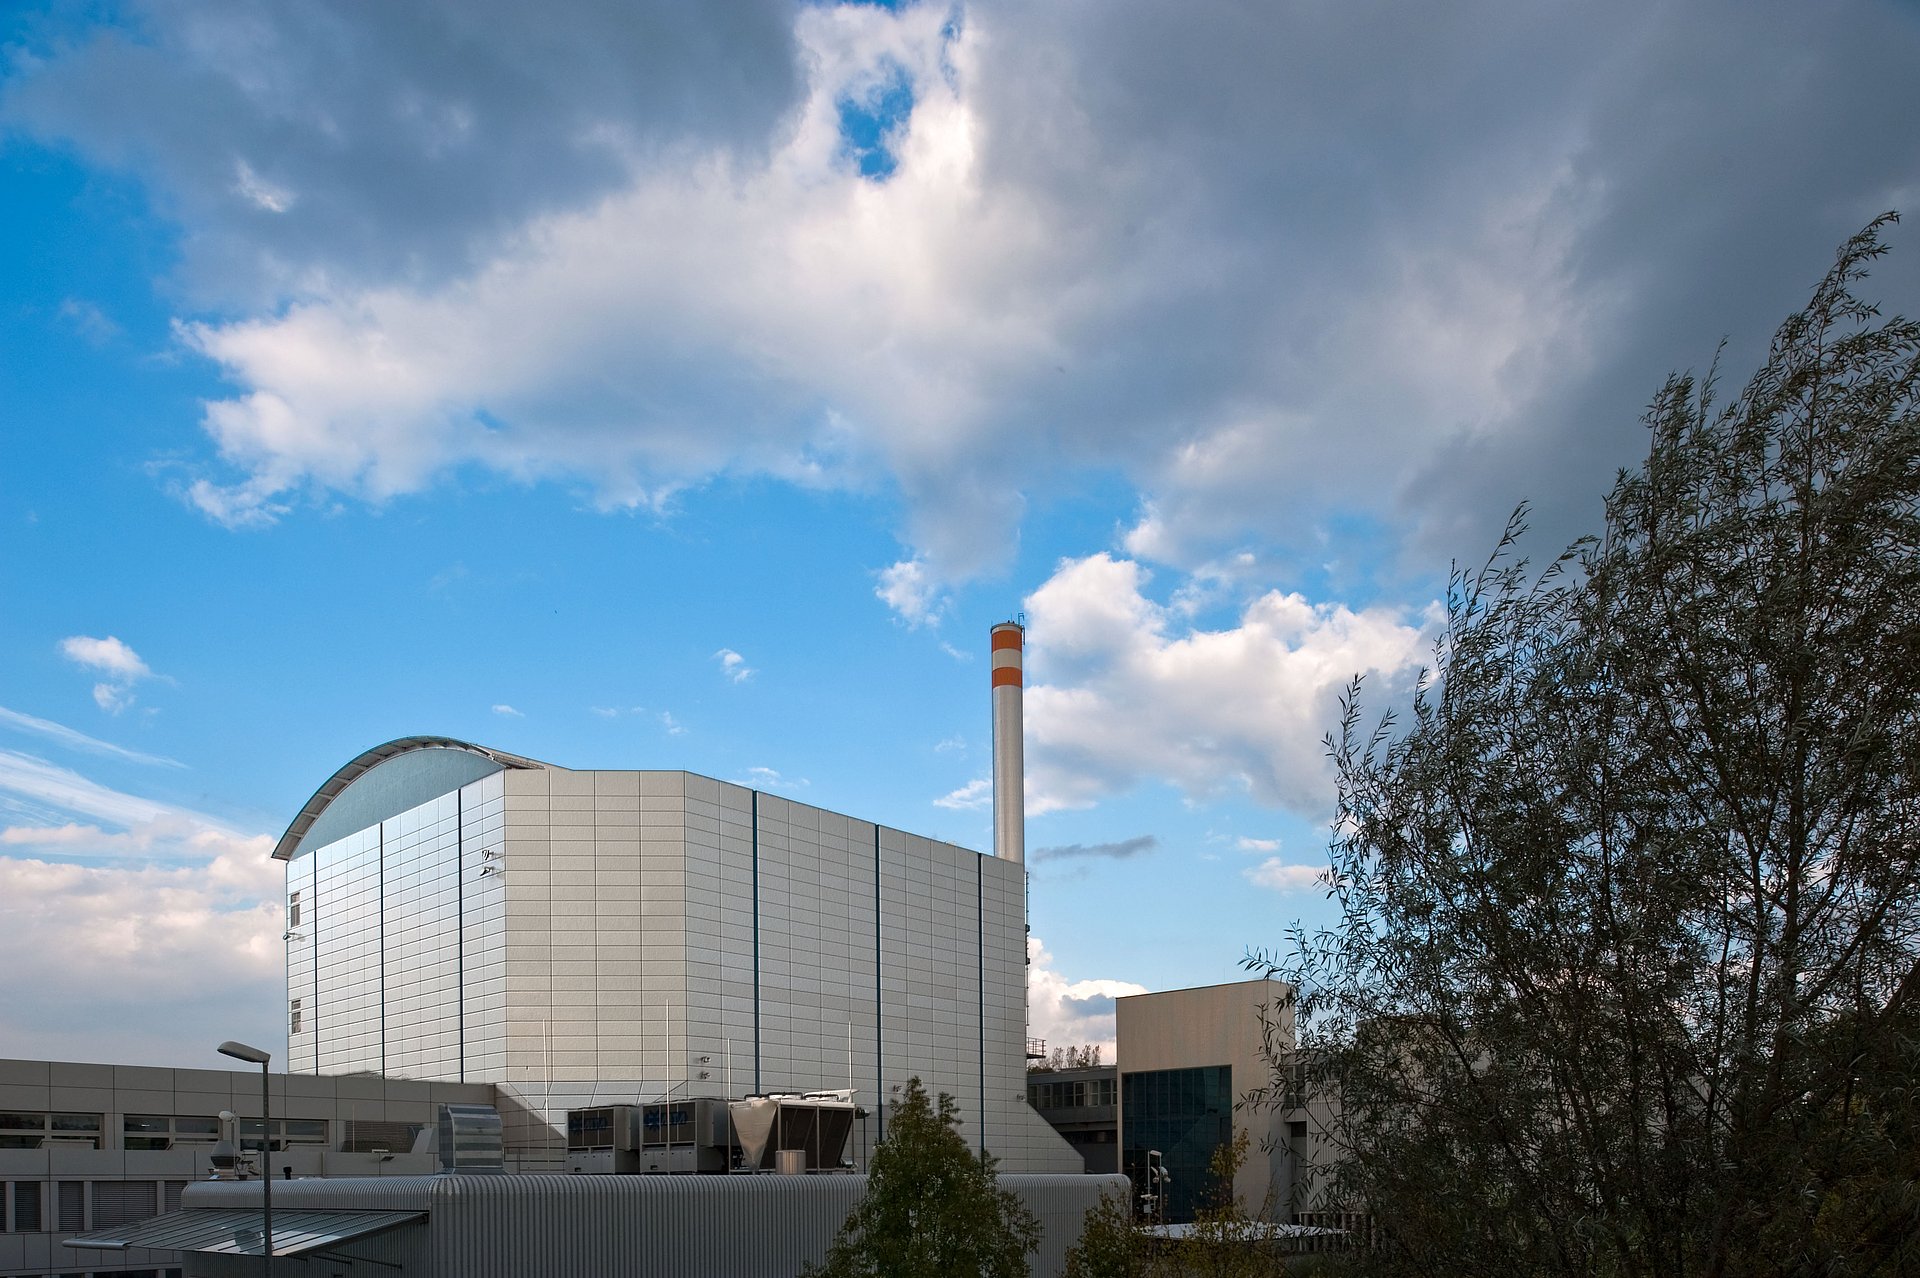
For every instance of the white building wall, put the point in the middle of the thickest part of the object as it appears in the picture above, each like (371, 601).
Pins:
(630, 929)
(483, 930)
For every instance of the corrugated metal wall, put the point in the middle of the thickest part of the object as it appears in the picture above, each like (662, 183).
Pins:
(616, 1226)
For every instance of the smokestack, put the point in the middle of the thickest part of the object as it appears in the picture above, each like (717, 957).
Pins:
(1009, 758)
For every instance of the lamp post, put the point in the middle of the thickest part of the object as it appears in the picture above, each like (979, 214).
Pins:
(254, 1056)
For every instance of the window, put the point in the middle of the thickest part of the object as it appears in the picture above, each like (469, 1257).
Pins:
(1185, 1114)
(164, 1131)
(73, 1206)
(293, 1017)
(20, 1130)
(1297, 1130)
(122, 1202)
(293, 910)
(26, 1206)
(286, 1131)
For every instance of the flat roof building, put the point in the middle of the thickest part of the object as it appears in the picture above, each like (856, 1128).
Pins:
(584, 937)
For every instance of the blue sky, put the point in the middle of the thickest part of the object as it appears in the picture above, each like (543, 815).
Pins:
(652, 385)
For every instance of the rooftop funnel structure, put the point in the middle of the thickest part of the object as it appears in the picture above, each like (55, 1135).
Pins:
(1009, 758)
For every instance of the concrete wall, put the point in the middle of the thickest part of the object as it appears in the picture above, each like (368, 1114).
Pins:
(114, 1091)
(1229, 1025)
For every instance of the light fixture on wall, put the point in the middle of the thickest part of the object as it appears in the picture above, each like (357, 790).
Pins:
(291, 935)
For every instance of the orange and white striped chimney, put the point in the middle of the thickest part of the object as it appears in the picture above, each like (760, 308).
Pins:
(1009, 758)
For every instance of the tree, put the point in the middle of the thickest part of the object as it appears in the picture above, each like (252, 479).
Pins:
(1070, 1057)
(931, 1210)
(1627, 976)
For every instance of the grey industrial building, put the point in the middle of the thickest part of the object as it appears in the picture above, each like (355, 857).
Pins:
(574, 938)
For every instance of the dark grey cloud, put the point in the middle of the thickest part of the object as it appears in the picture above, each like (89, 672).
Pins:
(1437, 258)
(1106, 851)
(306, 140)
(1092, 1005)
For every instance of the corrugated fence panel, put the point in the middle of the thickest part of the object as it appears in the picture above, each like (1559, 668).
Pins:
(628, 1226)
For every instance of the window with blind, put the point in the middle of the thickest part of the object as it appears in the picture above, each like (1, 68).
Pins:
(26, 1206)
(123, 1202)
(73, 1206)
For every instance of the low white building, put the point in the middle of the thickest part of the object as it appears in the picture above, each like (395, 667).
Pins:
(91, 1146)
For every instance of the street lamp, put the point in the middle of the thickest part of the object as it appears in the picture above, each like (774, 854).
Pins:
(254, 1056)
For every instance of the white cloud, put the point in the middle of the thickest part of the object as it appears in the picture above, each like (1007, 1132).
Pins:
(1070, 1013)
(508, 712)
(88, 320)
(733, 665)
(972, 796)
(770, 779)
(163, 921)
(257, 191)
(908, 589)
(1113, 244)
(1124, 690)
(673, 727)
(167, 960)
(1277, 874)
(1246, 844)
(33, 786)
(120, 664)
(109, 655)
(78, 740)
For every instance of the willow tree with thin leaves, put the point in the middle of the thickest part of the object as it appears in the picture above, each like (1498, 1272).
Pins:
(1627, 974)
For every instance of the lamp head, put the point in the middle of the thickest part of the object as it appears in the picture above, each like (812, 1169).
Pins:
(241, 1052)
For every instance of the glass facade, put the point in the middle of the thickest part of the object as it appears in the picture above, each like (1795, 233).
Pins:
(1185, 1114)
(399, 969)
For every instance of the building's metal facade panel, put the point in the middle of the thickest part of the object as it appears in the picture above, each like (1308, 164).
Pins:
(581, 938)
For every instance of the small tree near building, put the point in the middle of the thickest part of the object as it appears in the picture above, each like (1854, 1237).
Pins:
(932, 1209)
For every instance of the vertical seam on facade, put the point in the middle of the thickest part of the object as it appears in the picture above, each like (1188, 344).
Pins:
(460, 917)
(980, 940)
(756, 939)
(383, 947)
(879, 1041)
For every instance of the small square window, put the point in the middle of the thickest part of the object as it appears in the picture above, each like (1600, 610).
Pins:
(293, 910)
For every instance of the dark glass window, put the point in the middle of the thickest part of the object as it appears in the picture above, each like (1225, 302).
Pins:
(1185, 1114)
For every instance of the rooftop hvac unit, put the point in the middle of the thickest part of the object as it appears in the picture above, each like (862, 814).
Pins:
(659, 1136)
(471, 1141)
(815, 1125)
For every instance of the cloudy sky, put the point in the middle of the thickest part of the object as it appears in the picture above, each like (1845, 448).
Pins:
(647, 384)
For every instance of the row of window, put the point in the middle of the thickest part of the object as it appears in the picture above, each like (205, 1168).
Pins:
(75, 1206)
(23, 1130)
(1074, 1095)
(117, 1273)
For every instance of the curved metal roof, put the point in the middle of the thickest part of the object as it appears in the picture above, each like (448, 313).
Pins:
(365, 763)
